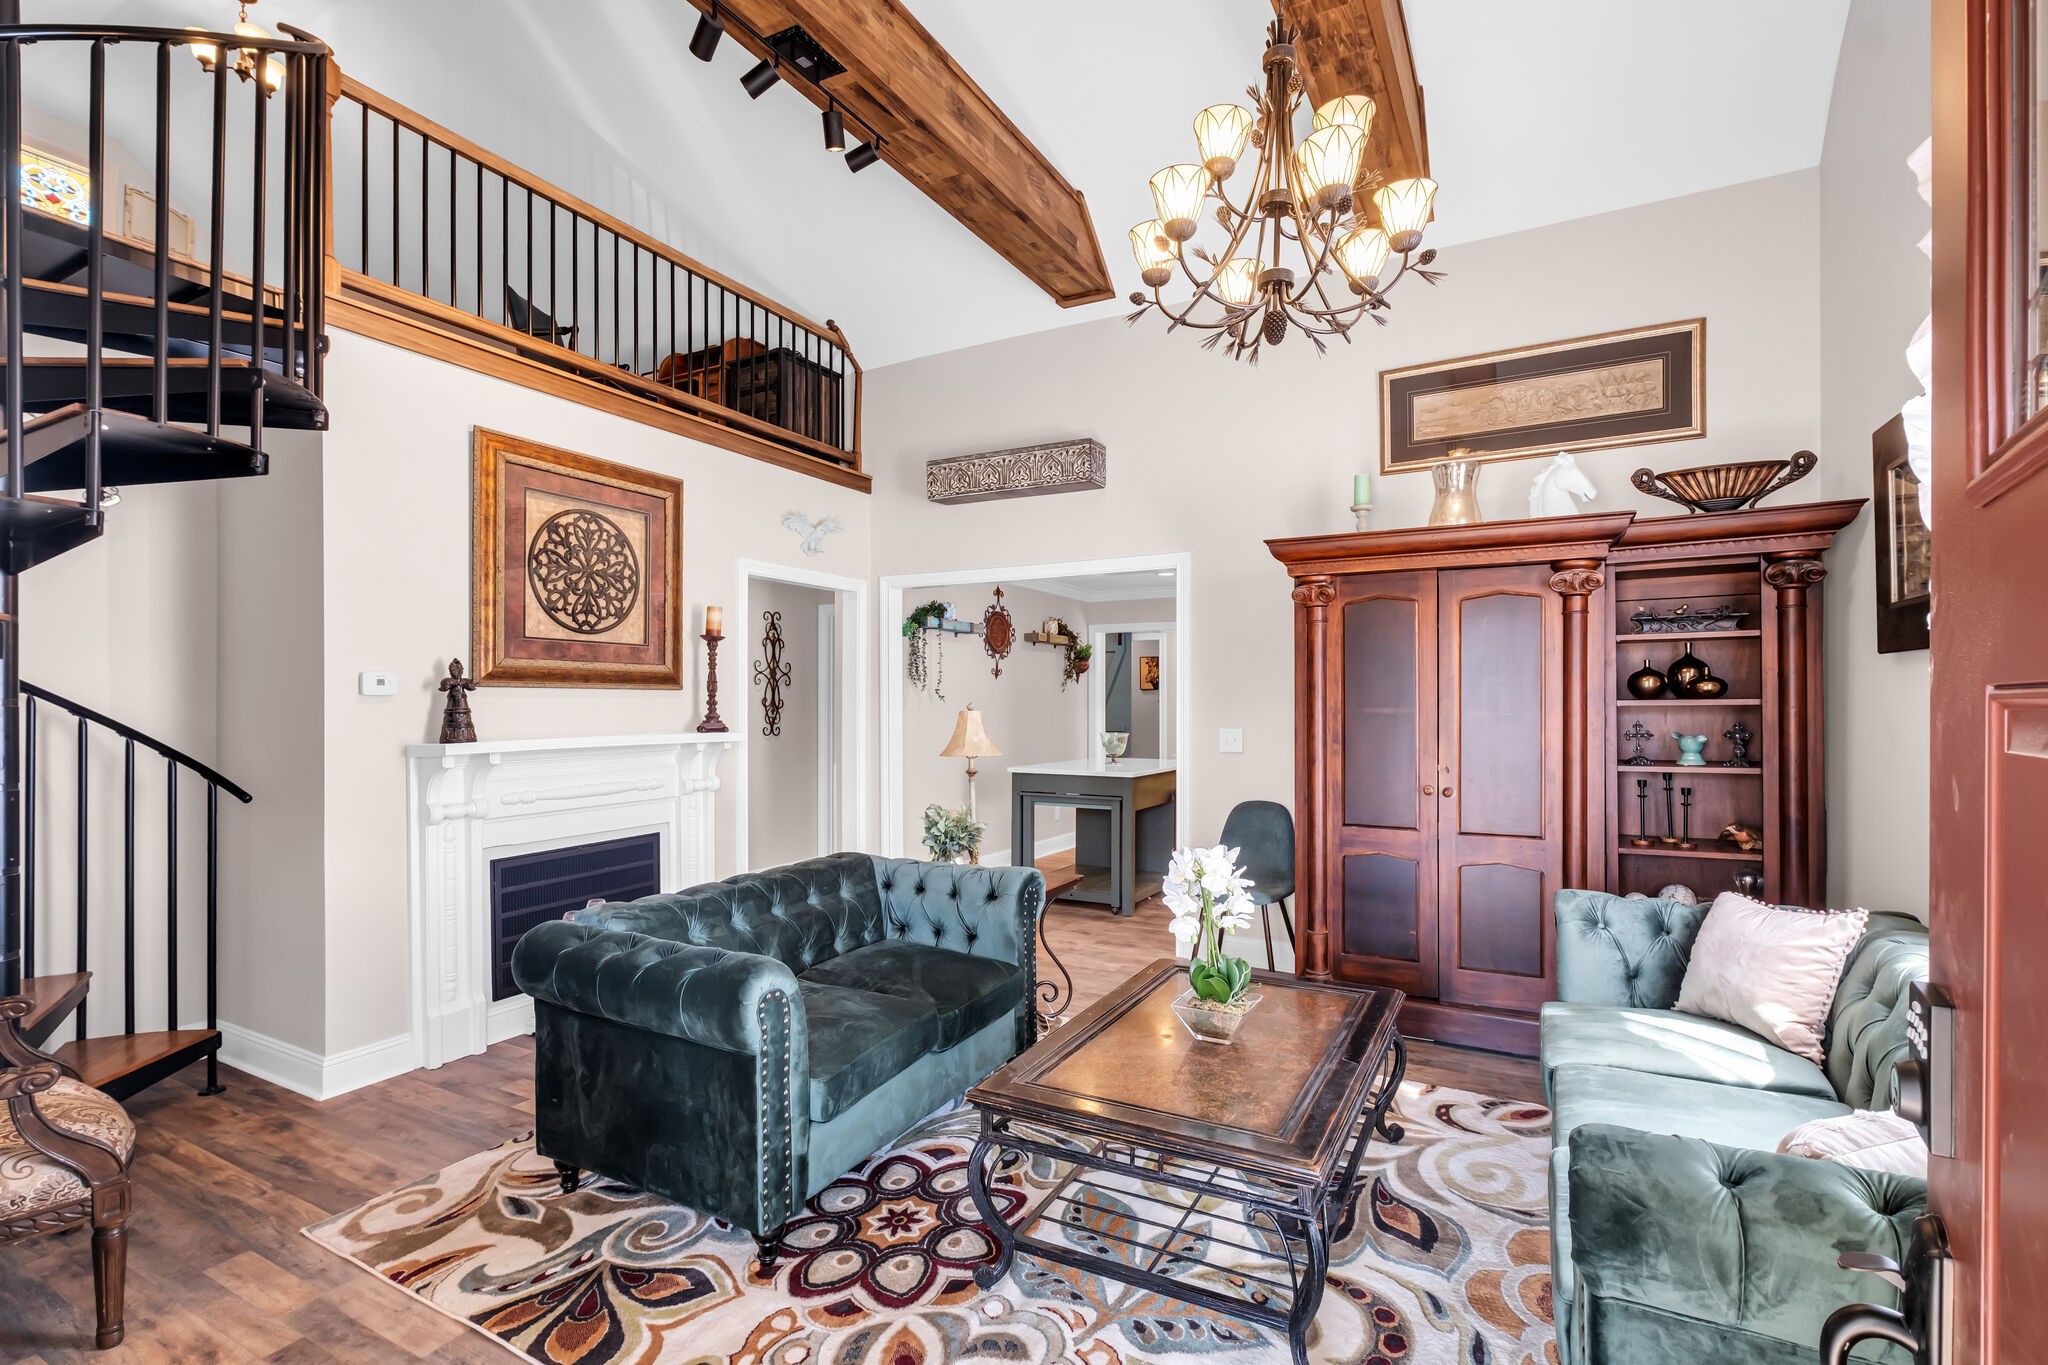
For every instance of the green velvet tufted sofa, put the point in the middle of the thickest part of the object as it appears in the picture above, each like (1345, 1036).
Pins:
(1678, 1235)
(737, 1046)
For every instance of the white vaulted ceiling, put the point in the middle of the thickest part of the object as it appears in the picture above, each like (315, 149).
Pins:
(1537, 113)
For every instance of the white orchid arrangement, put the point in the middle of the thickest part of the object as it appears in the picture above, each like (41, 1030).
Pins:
(1209, 896)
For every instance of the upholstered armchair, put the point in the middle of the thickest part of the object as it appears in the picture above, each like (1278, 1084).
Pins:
(64, 1154)
(738, 1046)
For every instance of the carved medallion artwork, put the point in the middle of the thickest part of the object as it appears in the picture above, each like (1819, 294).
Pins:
(578, 569)
(1056, 467)
(583, 571)
(1638, 386)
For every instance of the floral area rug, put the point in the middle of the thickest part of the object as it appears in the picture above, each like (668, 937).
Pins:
(1445, 1258)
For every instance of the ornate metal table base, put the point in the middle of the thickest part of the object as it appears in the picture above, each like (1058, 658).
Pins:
(1268, 1221)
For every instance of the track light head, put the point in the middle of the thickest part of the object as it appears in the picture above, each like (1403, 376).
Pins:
(835, 131)
(704, 42)
(757, 80)
(863, 156)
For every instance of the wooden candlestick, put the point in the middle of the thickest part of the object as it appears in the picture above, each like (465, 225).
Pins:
(712, 724)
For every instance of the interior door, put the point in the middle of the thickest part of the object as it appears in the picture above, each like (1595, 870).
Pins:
(1500, 801)
(1988, 903)
(1385, 809)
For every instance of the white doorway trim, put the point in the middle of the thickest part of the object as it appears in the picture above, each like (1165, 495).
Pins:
(889, 660)
(828, 728)
(1098, 678)
(850, 603)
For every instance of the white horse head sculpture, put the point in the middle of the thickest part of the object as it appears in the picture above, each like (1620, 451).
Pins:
(1557, 484)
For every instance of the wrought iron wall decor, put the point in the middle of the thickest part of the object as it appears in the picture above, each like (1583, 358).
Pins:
(998, 632)
(772, 673)
(1022, 472)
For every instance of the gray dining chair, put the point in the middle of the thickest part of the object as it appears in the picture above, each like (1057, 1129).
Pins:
(1262, 832)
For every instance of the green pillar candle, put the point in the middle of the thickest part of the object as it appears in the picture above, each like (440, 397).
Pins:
(1361, 490)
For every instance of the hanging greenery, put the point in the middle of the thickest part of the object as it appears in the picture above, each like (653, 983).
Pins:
(924, 652)
(1075, 656)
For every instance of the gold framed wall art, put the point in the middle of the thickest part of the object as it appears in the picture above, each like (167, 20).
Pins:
(578, 569)
(1616, 389)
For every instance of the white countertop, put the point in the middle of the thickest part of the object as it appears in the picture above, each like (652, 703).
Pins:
(1096, 767)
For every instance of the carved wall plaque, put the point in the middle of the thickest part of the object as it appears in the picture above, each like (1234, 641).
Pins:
(1056, 467)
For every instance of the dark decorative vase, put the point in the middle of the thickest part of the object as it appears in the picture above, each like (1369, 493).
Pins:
(1685, 670)
(1646, 683)
(1706, 687)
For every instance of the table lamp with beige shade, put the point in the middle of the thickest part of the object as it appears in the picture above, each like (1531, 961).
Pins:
(970, 741)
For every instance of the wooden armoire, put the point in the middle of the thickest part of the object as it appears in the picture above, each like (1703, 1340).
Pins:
(1460, 701)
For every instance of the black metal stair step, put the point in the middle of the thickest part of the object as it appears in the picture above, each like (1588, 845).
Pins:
(128, 385)
(33, 529)
(59, 250)
(128, 321)
(133, 450)
(124, 1064)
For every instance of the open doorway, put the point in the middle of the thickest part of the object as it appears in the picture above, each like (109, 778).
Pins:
(800, 665)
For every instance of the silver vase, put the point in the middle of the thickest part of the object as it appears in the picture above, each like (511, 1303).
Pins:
(1457, 493)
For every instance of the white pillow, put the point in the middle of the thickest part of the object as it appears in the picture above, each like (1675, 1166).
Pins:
(1872, 1140)
(1772, 971)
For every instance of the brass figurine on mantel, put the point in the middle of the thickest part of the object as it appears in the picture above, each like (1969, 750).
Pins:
(456, 725)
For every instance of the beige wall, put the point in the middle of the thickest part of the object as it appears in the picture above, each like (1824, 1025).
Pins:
(1874, 293)
(1025, 712)
(782, 770)
(396, 564)
(1212, 458)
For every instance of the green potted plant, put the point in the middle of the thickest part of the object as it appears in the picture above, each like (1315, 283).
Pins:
(952, 835)
(924, 655)
(1209, 896)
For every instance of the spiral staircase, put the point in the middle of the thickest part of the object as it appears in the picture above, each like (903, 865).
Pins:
(126, 365)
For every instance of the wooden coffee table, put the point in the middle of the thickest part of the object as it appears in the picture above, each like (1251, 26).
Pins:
(1263, 1136)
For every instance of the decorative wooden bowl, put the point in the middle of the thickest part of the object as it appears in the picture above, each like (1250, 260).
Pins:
(1725, 487)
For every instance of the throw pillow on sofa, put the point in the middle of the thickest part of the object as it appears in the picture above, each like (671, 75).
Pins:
(1770, 969)
(1872, 1141)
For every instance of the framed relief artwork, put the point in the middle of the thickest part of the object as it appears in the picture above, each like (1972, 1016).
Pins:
(578, 569)
(1905, 547)
(1617, 389)
(1148, 672)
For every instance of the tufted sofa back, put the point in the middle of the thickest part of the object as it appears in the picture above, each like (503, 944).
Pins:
(1616, 951)
(985, 911)
(1867, 1023)
(801, 914)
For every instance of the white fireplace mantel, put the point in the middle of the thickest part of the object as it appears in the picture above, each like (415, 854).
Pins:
(467, 804)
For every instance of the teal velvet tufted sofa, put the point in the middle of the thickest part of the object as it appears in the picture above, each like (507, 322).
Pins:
(1678, 1235)
(737, 1046)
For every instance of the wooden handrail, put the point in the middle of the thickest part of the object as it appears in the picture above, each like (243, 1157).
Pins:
(450, 140)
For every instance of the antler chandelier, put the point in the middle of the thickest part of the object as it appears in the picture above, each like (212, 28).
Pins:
(1309, 193)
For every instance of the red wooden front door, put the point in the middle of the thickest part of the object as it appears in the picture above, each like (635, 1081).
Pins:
(1989, 810)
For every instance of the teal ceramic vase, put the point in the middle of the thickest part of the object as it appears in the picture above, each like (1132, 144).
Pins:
(1689, 747)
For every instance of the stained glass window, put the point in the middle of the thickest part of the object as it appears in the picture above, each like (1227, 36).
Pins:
(52, 185)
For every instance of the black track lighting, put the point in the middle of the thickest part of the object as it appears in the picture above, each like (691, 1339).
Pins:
(704, 42)
(835, 131)
(757, 81)
(863, 156)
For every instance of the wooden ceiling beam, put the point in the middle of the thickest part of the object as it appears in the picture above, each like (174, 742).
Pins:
(1360, 47)
(943, 134)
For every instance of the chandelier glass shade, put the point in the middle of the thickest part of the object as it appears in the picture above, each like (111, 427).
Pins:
(246, 61)
(1316, 239)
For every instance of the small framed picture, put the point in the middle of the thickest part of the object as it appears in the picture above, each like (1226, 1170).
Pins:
(1905, 545)
(1148, 672)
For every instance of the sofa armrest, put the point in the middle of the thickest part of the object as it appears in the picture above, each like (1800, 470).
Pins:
(1615, 951)
(1683, 1228)
(710, 996)
(987, 911)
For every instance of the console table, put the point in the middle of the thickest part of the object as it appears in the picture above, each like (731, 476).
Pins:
(1123, 823)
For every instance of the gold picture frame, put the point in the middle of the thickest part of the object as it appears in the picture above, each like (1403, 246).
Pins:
(1637, 387)
(578, 569)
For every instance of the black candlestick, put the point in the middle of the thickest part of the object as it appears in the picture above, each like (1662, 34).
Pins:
(1670, 834)
(1685, 838)
(1642, 839)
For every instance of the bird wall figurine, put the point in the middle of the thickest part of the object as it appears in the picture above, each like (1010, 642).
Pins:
(813, 532)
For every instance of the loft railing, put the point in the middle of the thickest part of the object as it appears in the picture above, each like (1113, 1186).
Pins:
(179, 769)
(428, 221)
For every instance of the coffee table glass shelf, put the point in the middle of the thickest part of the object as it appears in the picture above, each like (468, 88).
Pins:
(1225, 1167)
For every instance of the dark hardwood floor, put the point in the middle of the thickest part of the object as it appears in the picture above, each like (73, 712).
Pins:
(219, 1273)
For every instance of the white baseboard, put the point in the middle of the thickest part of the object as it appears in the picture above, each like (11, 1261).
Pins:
(308, 1073)
(1057, 843)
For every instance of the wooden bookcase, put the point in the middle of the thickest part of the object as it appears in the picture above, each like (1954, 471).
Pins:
(1461, 710)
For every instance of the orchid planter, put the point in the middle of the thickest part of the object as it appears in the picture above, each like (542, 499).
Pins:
(1209, 896)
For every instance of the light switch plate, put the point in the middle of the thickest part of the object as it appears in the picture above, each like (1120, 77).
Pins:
(1230, 741)
(371, 683)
